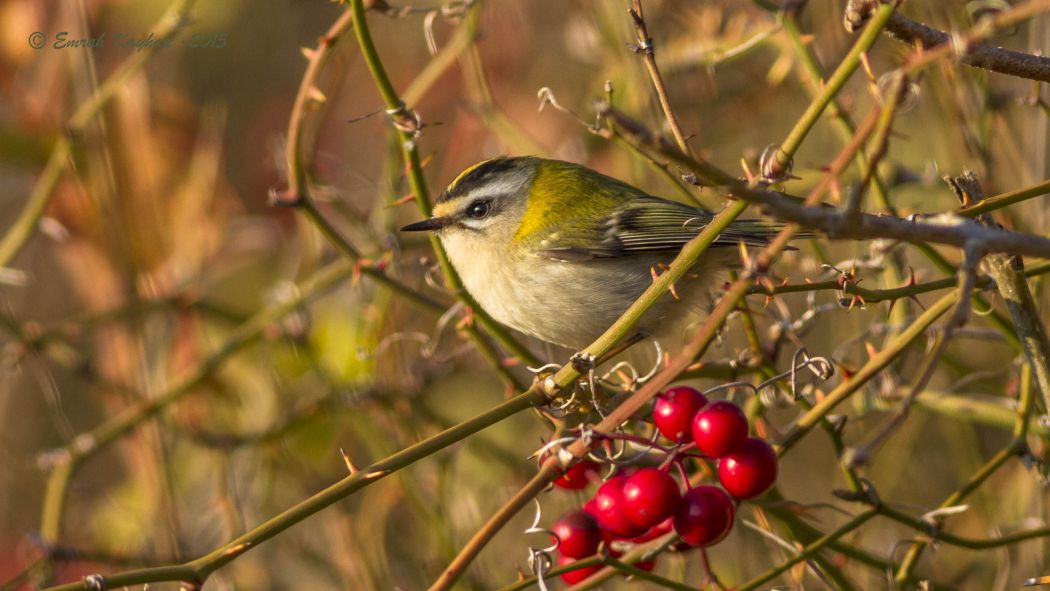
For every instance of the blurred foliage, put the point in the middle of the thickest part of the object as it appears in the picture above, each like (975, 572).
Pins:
(160, 240)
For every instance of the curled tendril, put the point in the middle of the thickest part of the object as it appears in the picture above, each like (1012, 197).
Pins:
(536, 529)
(821, 367)
(543, 368)
(540, 561)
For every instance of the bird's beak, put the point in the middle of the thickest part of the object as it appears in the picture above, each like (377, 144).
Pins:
(428, 224)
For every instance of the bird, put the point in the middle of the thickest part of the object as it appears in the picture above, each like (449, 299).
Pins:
(558, 251)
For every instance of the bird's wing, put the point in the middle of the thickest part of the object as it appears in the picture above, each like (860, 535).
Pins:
(647, 225)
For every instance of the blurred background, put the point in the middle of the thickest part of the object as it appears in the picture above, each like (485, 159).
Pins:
(158, 240)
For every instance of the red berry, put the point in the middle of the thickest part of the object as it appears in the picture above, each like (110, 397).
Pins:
(575, 576)
(674, 410)
(610, 509)
(749, 470)
(719, 428)
(578, 534)
(578, 475)
(650, 496)
(705, 516)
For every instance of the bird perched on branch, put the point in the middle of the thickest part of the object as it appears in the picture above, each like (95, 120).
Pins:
(559, 251)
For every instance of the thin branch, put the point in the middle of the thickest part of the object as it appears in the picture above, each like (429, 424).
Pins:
(648, 53)
(1005, 199)
(1008, 272)
(810, 550)
(874, 365)
(995, 59)
(941, 229)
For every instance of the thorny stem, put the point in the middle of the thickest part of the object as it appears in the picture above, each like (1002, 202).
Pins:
(999, 201)
(1013, 288)
(1009, 275)
(889, 294)
(1016, 446)
(1007, 271)
(955, 231)
(299, 161)
(995, 59)
(845, 126)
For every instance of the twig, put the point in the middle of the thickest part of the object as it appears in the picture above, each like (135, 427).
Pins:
(299, 159)
(648, 53)
(995, 59)
(941, 229)
(810, 550)
(1000, 201)
(876, 364)
(888, 294)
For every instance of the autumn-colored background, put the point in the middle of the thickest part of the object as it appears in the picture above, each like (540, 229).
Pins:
(160, 238)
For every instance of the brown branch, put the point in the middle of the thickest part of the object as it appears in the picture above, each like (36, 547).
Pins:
(977, 55)
(985, 57)
(645, 48)
(946, 228)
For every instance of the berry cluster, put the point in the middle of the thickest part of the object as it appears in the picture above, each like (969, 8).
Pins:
(643, 504)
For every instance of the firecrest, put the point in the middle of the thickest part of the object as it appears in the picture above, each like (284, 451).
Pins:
(559, 251)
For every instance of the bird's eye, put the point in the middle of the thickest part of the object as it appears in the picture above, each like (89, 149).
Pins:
(478, 209)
